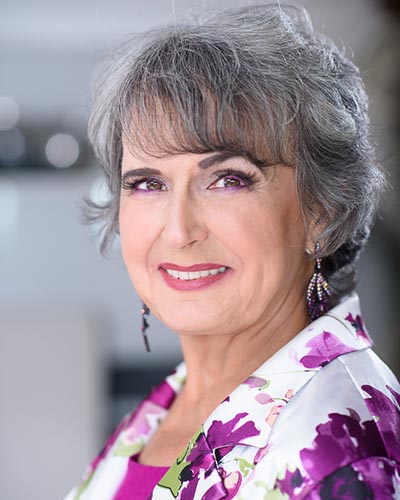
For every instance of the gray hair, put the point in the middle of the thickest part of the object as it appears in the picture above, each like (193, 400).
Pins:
(256, 81)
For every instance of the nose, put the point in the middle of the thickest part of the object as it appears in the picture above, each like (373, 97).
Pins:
(184, 224)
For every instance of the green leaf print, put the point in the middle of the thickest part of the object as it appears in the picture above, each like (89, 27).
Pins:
(127, 450)
(244, 466)
(267, 384)
(171, 480)
(271, 494)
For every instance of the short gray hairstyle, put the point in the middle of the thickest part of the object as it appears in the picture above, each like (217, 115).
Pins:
(256, 81)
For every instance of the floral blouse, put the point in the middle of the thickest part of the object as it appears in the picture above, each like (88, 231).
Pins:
(320, 419)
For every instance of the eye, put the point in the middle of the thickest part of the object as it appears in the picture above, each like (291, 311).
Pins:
(229, 181)
(233, 179)
(150, 184)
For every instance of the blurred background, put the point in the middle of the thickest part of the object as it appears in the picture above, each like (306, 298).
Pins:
(72, 360)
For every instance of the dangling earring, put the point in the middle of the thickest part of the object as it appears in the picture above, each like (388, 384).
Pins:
(145, 311)
(318, 291)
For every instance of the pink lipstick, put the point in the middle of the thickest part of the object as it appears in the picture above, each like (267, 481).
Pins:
(193, 284)
(195, 267)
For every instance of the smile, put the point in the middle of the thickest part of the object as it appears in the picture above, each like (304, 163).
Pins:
(194, 275)
(186, 281)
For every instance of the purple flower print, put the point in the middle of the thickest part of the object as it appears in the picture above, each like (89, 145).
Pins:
(162, 395)
(225, 434)
(140, 426)
(264, 398)
(231, 481)
(358, 323)
(324, 348)
(369, 479)
(189, 491)
(340, 441)
(378, 473)
(388, 414)
(344, 484)
(200, 457)
(261, 453)
(291, 482)
(348, 455)
(395, 394)
(220, 435)
(255, 382)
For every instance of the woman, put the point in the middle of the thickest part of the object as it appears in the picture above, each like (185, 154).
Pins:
(243, 187)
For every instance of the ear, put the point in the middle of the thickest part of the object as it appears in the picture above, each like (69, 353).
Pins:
(315, 227)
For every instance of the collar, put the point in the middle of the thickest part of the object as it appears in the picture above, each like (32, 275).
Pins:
(275, 382)
(247, 416)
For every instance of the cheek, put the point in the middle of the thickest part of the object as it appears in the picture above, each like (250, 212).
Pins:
(136, 237)
(267, 235)
(262, 229)
(283, 221)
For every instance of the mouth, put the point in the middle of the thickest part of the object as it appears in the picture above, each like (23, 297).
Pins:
(193, 278)
(194, 275)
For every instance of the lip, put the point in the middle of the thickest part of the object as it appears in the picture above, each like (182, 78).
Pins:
(195, 267)
(192, 285)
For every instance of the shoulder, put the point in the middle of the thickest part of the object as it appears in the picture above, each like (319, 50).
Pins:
(343, 427)
(106, 472)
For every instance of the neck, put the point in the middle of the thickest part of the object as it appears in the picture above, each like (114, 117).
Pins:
(216, 364)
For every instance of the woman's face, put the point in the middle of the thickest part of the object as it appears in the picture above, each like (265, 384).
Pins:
(213, 211)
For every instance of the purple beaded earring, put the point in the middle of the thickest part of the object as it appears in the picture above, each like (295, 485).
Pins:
(145, 311)
(318, 291)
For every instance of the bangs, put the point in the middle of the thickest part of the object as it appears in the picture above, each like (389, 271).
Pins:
(195, 101)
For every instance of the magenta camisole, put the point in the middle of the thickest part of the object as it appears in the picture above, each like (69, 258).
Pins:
(139, 481)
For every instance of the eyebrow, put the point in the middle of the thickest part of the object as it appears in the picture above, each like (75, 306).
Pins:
(215, 159)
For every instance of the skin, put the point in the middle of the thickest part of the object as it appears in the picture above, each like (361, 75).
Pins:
(229, 329)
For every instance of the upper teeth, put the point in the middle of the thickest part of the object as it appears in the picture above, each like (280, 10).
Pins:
(183, 275)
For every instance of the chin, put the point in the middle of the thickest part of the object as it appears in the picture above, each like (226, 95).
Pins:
(189, 323)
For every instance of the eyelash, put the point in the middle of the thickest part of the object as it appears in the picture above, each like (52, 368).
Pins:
(248, 178)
